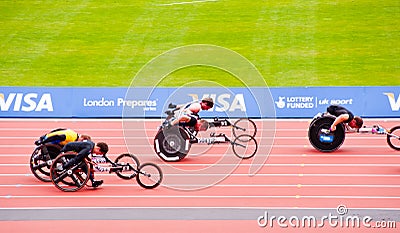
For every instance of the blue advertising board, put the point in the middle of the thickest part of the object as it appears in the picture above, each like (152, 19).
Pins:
(362, 101)
(298, 102)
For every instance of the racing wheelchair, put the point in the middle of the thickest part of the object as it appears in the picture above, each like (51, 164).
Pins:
(40, 161)
(322, 139)
(172, 142)
(126, 166)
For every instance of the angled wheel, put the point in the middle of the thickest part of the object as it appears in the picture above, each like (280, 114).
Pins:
(244, 126)
(123, 160)
(320, 137)
(172, 144)
(54, 150)
(245, 146)
(149, 176)
(393, 138)
(69, 179)
(40, 165)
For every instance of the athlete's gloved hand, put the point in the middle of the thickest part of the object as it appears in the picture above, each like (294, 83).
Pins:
(38, 142)
(167, 124)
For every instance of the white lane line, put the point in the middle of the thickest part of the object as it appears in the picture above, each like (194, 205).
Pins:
(150, 138)
(264, 165)
(247, 175)
(203, 197)
(192, 207)
(108, 137)
(225, 185)
(270, 156)
(225, 146)
(80, 129)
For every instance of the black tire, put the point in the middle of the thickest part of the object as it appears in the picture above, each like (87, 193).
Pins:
(244, 126)
(39, 165)
(315, 135)
(150, 175)
(72, 179)
(394, 142)
(245, 146)
(54, 150)
(123, 160)
(172, 144)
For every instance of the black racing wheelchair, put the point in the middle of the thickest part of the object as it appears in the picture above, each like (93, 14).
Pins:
(172, 143)
(126, 166)
(40, 161)
(324, 140)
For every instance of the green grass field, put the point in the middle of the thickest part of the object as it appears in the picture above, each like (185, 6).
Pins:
(291, 42)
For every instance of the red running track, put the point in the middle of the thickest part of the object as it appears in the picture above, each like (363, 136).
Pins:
(363, 174)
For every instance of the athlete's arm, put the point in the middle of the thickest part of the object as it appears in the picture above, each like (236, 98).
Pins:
(195, 108)
(350, 130)
(182, 119)
(338, 120)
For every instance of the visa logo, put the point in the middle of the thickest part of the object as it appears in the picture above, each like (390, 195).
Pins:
(394, 104)
(26, 102)
(224, 102)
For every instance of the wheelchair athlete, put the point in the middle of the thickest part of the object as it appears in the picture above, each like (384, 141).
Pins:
(191, 122)
(194, 108)
(84, 149)
(187, 115)
(61, 137)
(345, 116)
(352, 123)
(58, 136)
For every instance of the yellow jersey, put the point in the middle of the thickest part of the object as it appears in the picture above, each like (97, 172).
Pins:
(70, 136)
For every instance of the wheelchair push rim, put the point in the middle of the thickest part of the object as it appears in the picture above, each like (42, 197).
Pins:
(172, 144)
(39, 165)
(321, 138)
(71, 179)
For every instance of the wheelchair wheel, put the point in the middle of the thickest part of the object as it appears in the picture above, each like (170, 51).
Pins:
(172, 144)
(325, 142)
(123, 160)
(394, 138)
(71, 179)
(245, 146)
(39, 165)
(244, 126)
(149, 176)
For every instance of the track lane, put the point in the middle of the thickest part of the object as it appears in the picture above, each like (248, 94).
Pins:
(363, 173)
